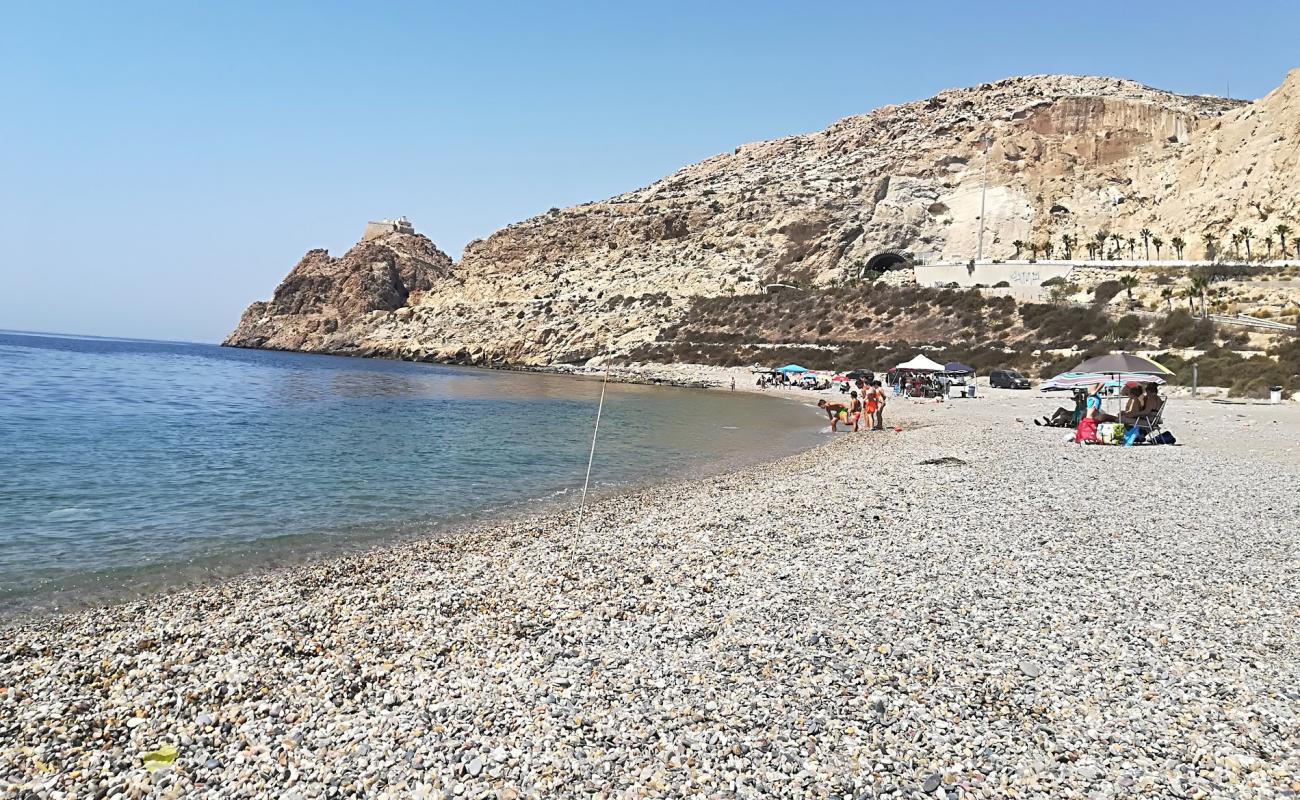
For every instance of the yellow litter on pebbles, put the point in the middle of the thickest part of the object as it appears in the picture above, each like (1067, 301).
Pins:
(843, 623)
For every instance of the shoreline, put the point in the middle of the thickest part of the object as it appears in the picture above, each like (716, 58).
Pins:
(978, 625)
(91, 591)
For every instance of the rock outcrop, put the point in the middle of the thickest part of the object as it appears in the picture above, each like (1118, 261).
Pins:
(1065, 156)
(325, 303)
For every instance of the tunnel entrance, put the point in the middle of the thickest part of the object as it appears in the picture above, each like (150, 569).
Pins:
(883, 262)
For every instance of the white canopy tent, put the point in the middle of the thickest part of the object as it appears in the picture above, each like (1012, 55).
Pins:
(921, 364)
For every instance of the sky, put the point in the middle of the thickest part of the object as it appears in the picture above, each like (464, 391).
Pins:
(164, 164)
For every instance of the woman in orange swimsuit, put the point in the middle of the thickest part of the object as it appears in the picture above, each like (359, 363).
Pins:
(872, 406)
(877, 399)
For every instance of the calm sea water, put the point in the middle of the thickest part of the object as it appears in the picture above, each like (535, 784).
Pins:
(129, 466)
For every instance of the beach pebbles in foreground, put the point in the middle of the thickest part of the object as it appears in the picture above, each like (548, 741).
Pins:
(1041, 620)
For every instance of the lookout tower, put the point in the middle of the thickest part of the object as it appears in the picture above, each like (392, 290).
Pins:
(383, 227)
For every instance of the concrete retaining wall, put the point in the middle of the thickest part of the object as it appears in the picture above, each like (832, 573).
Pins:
(1014, 273)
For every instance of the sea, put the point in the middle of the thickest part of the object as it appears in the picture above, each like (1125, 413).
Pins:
(130, 467)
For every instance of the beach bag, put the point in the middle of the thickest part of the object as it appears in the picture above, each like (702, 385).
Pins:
(1164, 437)
(1086, 432)
(1117, 434)
(1131, 438)
(1110, 433)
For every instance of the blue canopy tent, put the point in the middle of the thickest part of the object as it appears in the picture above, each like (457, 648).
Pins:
(791, 368)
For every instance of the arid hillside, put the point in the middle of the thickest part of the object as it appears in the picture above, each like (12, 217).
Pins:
(1067, 158)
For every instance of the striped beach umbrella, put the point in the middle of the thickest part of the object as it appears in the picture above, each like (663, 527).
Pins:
(1071, 380)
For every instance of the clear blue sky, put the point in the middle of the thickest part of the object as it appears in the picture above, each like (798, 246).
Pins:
(163, 164)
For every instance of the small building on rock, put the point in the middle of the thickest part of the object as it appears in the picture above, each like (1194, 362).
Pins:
(383, 227)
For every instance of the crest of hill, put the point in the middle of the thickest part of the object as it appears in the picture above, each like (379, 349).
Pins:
(1065, 155)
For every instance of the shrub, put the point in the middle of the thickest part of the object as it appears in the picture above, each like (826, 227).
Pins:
(1061, 291)
(1064, 325)
(1181, 329)
(1249, 377)
(1126, 328)
(1105, 291)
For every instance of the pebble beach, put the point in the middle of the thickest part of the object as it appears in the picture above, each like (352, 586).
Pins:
(967, 608)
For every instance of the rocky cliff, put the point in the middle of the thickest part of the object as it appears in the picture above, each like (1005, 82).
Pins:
(1064, 156)
(328, 304)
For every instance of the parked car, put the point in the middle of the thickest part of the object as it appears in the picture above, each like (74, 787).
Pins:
(1008, 379)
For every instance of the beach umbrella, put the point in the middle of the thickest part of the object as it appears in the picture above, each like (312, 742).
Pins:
(1117, 363)
(1120, 367)
(791, 368)
(1071, 380)
(921, 364)
(957, 366)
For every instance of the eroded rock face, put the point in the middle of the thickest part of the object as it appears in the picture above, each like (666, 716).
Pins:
(1065, 156)
(323, 301)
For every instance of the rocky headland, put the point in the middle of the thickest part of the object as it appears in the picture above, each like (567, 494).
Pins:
(1066, 157)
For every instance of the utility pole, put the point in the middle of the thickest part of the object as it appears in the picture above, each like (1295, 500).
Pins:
(984, 186)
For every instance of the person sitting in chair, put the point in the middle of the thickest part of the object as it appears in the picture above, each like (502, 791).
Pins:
(1151, 400)
(1134, 407)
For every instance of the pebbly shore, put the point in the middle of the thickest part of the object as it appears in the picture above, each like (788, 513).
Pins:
(970, 607)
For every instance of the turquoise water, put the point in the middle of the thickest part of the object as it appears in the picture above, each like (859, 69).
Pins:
(129, 466)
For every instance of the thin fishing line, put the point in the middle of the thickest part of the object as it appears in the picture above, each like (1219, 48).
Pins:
(582, 507)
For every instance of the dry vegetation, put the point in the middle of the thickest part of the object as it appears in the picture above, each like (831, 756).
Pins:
(872, 325)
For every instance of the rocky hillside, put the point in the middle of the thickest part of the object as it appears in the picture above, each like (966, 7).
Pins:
(1065, 156)
(326, 304)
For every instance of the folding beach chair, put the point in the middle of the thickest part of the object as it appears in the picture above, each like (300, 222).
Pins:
(1151, 424)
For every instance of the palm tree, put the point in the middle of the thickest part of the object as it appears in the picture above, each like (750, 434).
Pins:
(1158, 243)
(1190, 294)
(1047, 249)
(1129, 282)
(1210, 240)
(1245, 235)
(1167, 294)
(1178, 245)
(1268, 247)
(1201, 285)
(1145, 233)
(1100, 237)
(1019, 245)
(1132, 247)
(1118, 241)
(1065, 245)
(1282, 230)
(1092, 249)
(1236, 244)
(1033, 251)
